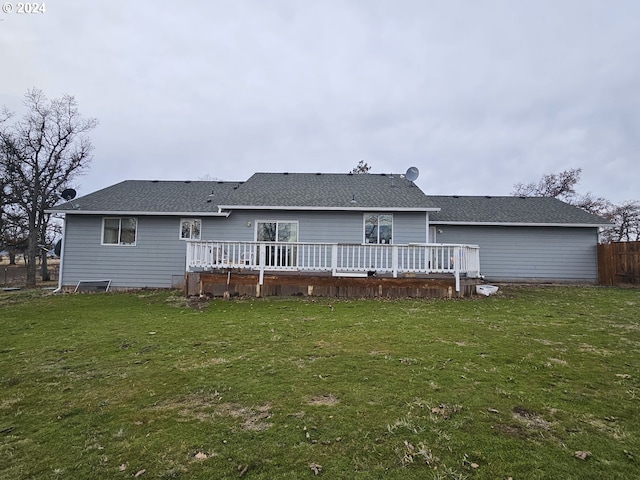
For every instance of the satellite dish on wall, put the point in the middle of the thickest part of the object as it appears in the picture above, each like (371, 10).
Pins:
(412, 174)
(58, 248)
(68, 194)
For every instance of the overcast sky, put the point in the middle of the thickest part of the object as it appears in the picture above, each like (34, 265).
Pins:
(477, 94)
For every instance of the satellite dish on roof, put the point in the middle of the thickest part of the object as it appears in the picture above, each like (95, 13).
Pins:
(412, 173)
(68, 194)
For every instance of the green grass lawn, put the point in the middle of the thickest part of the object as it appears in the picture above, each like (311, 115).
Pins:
(147, 385)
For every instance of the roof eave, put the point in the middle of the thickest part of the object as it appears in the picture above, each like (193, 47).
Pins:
(312, 208)
(141, 213)
(522, 224)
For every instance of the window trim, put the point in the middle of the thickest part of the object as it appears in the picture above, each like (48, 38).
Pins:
(119, 243)
(191, 220)
(277, 222)
(364, 227)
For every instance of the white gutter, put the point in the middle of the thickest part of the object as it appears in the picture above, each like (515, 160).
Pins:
(324, 209)
(518, 224)
(219, 213)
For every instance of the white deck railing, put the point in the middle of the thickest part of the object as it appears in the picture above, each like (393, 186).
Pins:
(338, 258)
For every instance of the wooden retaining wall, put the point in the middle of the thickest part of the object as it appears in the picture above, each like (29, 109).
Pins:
(246, 284)
(619, 263)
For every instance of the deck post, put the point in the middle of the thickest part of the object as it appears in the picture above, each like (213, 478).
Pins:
(263, 261)
(394, 260)
(188, 256)
(334, 259)
(456, 266)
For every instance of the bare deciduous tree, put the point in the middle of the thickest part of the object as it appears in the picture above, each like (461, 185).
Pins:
(596, 205)
(557, 185)
(41, 154)
(3, 205)
(625, 218)
(14, 233)
(362, 167)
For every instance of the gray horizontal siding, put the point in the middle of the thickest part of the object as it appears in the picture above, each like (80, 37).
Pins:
(158, 258)
(530, 253)
(315, 227)
(155, 261)
(409, 228)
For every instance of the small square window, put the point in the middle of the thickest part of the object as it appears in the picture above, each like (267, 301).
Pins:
(190, 228)
(119, 231)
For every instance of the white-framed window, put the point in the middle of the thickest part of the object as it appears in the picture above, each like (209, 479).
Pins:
(276, 231)
(280, 256)
(119, 230)
(190, 228)
(378, 228)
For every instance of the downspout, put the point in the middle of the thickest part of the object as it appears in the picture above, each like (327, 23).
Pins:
(64, 229)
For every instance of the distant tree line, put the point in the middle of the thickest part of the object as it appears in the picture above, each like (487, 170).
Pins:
(40, 156)
(624, 218)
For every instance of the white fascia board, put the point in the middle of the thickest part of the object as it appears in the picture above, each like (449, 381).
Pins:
(141, 213)
(522, 224)
(333, 209)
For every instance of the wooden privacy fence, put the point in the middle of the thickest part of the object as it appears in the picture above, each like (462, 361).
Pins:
(619, 262)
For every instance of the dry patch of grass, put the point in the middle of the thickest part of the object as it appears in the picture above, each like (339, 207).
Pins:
(324, 399)
(529, 419)
(558, 361)
(207, 407)
(253, 419)
(585, 347)
(609, 426)
(9, 402)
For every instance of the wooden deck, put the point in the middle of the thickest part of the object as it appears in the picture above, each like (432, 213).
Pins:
(299, 268)
(247, 284)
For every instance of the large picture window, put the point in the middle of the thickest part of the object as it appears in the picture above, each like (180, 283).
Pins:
(276, 231)
(378, 228)
(190, 228)
(119, 231)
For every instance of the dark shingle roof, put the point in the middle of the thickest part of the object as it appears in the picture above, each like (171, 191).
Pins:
(262, 190)
(323, 191)
(509, 210)
(329, 190)
(153, 197)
